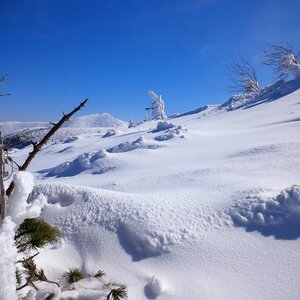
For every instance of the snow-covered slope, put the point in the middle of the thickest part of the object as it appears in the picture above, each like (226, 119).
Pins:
(201, 208)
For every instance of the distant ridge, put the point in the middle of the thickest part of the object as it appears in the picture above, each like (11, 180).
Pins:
(92, 120)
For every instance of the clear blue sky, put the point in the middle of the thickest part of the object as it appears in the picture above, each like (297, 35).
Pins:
(59, 52)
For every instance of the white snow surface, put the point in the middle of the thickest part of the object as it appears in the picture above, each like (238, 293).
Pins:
(213, 215)
(18, 208)
(281, 210)
(8, 258)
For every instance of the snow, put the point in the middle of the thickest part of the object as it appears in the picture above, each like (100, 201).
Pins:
(171, 133)
(18, 211)
(139, 143)
(7, 260)
(163, 125)
(158, 106)
(18, 208)
(278, 216)
(110, 132)
(291, 66)
(213, 215)
(95, 162)
(153, 288)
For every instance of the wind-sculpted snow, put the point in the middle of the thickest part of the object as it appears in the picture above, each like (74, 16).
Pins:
(278, 216)
(143, 224)
(163, 125)
(140, 143)
(171, 133)
(93, 162)
(110, 132)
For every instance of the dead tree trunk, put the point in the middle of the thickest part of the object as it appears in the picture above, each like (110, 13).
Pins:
(2, 190)
(37, 146)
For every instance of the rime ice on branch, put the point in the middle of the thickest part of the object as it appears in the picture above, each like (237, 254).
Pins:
(284, 60)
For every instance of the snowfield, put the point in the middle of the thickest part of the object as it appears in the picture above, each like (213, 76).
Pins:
(205, 205)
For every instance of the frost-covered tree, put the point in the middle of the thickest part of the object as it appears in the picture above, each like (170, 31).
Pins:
(284, 60)
(157, 107)
(243, 77)
(131, 123)
(146, 117)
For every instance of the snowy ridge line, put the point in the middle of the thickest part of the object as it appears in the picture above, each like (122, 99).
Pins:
(101, 120)
(267, 94)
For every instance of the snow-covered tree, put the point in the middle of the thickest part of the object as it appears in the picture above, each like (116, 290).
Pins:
(157, 107)
(131, 123)
(284, 60)
(243, 78)
(146, 117)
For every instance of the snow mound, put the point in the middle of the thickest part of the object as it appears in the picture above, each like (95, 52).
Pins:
(171, 133)
(110, 132)
(153, 288)
(96, 120)
(140, 143)
(163, 125)
(141, 243)
(279, 215)
(92, 162)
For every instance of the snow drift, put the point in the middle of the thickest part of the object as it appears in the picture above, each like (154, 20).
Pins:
(279, 216)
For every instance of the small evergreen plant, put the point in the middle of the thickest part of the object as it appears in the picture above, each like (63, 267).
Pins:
(34, 234)
(73, 275)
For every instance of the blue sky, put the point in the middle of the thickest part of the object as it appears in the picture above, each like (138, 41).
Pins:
(59, 52)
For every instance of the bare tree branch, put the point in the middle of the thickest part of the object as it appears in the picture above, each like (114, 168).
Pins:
(37, 147)
(243, 77)
(275, 57)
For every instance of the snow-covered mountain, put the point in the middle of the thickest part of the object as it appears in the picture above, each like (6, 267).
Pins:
(96, 120)
(203, 206)
(9, 127)
(88, 121)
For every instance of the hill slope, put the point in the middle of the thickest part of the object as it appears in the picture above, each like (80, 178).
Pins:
(188, 209)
